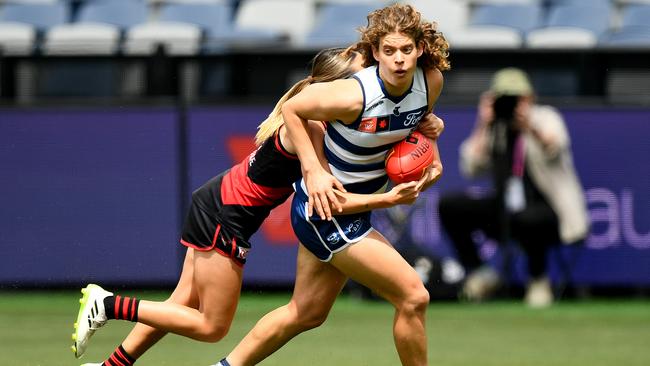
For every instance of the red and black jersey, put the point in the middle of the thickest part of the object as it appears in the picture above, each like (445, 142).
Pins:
(241, 198)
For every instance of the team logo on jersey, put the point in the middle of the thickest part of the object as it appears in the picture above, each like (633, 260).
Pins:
(333, 238)
(374, 124)
(396, 110)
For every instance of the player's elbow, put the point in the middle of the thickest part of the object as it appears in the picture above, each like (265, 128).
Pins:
(288, 110)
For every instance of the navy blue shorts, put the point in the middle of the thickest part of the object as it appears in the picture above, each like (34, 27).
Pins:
(324, 238)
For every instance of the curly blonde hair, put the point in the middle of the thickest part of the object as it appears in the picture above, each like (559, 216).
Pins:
(404, 19)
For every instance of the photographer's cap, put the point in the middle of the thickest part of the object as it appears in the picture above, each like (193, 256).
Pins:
(511, 81)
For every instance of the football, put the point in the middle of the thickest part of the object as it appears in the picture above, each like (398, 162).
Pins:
(407, 160)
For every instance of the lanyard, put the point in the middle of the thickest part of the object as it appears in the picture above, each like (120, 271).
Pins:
(518, 157)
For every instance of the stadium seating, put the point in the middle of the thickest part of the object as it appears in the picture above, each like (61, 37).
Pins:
(554, 3)
(377, 3)
(498, 26)
(180, 28)
(294, 18)
(97, 29)
(634, 1)
(21, 24)
(634, 30)
(500, 2)
(105, 27)
(32, 1)
(155, 6)
(451, 15)
(577, 25)
(163, 2)
(337, 24)
(519, 17)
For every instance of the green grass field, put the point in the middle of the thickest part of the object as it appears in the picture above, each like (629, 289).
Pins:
(35, 329)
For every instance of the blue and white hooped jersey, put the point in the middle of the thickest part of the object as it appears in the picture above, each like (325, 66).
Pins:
(356, 152)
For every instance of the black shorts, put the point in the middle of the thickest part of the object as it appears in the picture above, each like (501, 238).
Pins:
(203, 232)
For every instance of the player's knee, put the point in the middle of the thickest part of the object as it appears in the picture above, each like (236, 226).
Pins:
(416, 300)
(308, 314)
(311, 319)
(214, 333)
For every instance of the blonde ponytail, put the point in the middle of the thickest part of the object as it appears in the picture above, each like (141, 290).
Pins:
(273, 122)
(328, 65)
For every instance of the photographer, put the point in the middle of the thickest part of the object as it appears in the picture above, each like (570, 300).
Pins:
(537, 199)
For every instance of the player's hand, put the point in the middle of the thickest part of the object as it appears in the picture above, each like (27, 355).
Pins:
(320, 186)
(430, 176)
(404, 193)
(431, 126)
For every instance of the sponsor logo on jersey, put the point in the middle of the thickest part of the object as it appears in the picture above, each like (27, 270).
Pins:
(368, 125)
(374, 124)
(412, 118)
(375, 105)
(251, 157)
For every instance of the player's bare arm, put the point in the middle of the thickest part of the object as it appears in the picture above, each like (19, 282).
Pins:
(322, 101)
(435, 82)
(401, 194)
(431, 126)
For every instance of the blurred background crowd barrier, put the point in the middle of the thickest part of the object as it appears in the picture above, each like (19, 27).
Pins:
(112, 111)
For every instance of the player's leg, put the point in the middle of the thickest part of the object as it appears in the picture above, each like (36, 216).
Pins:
(217, 281)
(374, 263)
(217, 276)
(142, 337)
(316, 288)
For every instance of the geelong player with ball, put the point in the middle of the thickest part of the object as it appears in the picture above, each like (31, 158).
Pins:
(367, 114)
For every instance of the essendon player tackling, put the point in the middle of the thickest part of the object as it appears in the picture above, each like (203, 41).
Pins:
(228, 209)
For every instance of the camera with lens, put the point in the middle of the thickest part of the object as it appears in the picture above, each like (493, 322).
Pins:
(504, 108)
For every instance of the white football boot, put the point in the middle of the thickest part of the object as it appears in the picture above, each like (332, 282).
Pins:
(91, 317)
